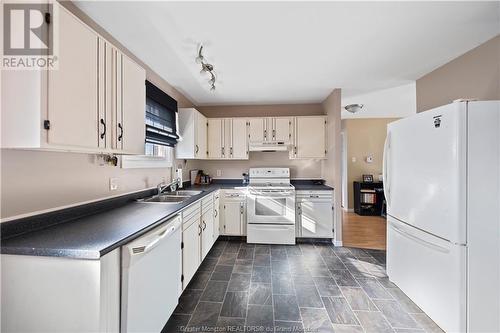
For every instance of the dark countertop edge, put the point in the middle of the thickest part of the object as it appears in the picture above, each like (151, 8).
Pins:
(123, 200)
(97, 255)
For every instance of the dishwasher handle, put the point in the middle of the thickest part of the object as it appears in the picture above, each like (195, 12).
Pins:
(142, 249)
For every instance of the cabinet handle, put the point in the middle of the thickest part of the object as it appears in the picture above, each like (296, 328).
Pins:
(199, 230)
(295, 150)
(274, 134)
(103, 128)
(231, 151)
(265, 134)
(204, 226)
(121, 132)
(197, 149)
(216, 213)
(223, 152)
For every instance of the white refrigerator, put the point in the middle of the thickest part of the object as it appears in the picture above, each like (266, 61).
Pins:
(442, 188)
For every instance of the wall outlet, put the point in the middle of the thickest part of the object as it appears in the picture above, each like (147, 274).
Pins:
(353, 160)
(219, 173)
(113, 184)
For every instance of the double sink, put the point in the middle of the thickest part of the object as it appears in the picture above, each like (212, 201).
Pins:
(171, 197)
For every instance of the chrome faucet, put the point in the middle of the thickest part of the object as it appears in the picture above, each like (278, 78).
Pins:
(173, 186)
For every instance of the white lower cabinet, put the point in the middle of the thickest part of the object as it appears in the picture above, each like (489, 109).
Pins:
(207, 239)
(191, 245)
(198, 235)
(54, 294)
(233, 218)
(216, 215)
(314, 214)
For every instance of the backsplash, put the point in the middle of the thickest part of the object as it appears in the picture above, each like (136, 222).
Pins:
(234, 169)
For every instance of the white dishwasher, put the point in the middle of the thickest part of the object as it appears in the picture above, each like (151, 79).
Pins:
(151, 277)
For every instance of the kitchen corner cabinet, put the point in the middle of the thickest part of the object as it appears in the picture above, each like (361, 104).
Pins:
(78, 105)
(309, 138)
(193, 131)
(227, 138)
(78, 295)
(314, 214)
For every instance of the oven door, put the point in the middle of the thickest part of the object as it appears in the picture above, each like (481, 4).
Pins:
(271, 206)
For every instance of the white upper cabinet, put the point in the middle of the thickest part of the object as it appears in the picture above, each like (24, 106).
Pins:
(282, 129)
(122, 98)
(131, 131)
(256, 127)
(72, 88)
(215, 142)
(239, 142)
(94, 101)
(227, 138)
(275, 129)
(193, 131)
(310, 138)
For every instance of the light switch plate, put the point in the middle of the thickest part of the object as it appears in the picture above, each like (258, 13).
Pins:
(113, 184)
(219, 173)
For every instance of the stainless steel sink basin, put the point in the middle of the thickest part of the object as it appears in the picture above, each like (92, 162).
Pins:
(187, 192)
(172, 197)
(166, 199)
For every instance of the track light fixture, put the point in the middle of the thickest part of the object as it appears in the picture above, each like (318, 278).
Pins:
(206, 68)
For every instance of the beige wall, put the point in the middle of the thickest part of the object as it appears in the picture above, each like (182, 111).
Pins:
(475, 74)
(34, 180)
(310, 169)
(331, 166)
(364, 137)
(261, 110)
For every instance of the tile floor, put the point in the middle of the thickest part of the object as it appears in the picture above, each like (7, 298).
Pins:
(300, 288)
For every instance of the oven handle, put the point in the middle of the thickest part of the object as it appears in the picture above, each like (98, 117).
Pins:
(272, 194)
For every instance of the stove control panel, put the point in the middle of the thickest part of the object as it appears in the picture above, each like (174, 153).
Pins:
(269, 173)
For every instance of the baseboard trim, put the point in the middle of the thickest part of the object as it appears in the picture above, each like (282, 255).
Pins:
(337, 243)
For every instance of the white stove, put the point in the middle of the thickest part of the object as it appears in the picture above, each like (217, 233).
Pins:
(270, 207)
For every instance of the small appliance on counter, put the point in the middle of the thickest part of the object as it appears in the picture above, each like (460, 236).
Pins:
(200, 178)
(246, 178)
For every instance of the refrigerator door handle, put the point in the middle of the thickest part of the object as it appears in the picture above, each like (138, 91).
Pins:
(419, 240)
(385, 174)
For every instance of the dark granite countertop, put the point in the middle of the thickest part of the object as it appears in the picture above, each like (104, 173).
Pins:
(92, 236)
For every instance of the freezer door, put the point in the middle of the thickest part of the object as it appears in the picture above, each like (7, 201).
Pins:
(425, 171)
(430, 271)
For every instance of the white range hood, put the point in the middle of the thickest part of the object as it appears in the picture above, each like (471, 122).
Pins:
(268, 146)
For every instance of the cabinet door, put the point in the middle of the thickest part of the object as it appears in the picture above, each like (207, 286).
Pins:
(216, 216)
(239, 148)
(256, 127)
(310, 137)
(131, 103)
(316, 219)
(282, 129)
(200, 148)
(73, 87)
(207, 235)
(232, 218)
(190, 252)
(215, 142)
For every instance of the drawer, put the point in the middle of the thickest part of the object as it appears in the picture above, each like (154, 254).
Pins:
(194, 209)
(314, 194)
(186, 223)
(207, 202)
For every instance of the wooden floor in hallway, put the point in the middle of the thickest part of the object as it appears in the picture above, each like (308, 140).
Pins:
(367, 232)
